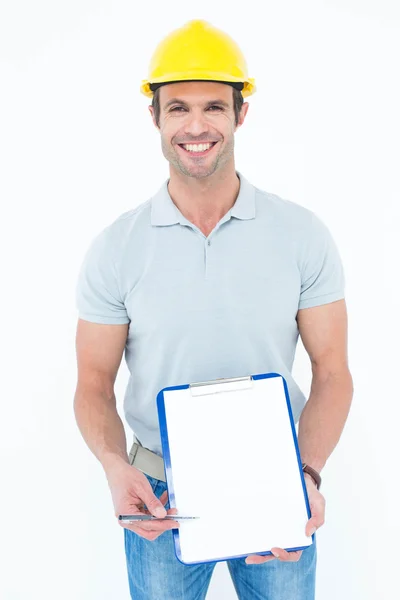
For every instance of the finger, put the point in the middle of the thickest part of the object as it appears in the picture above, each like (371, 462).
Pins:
(164, 499)
(156, 527)
(148, 535)
(156, 507)
(311, 526)
(161, 525)
(170, 511)
(317, 516)
(153, 526)
(285, 556)
(146, 494)
(257, 559)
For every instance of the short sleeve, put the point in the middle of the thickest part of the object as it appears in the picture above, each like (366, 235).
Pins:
(97, 293)
(322, 273)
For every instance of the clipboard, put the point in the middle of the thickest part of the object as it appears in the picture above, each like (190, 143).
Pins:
(231, 458)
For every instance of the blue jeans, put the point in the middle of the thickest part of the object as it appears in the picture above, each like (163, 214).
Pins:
(155, 573)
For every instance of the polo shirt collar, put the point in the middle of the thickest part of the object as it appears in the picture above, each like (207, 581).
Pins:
(165, 212)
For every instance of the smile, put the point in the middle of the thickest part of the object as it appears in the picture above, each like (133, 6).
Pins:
(197, 149)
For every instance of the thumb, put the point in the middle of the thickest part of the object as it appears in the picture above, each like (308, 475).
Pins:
(154, 505)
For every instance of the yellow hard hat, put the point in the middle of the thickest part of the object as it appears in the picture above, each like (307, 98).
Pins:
(198, 52)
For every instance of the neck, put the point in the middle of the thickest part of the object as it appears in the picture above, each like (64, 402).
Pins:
(204, 201)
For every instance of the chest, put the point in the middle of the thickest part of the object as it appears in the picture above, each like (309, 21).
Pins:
(197, 284)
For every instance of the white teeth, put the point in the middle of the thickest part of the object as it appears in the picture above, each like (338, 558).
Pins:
(197, 147)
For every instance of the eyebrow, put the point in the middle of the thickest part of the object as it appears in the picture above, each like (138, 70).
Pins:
(210, 103)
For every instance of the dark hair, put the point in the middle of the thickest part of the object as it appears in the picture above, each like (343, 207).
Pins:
(237, 104)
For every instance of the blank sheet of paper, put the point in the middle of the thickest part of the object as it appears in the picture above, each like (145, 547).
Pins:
(232, 459)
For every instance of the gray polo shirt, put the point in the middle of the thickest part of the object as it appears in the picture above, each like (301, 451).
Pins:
(202, 308)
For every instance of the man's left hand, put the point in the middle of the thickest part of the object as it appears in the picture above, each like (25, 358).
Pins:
(317, 506)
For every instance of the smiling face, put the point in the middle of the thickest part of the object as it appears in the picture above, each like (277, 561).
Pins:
(197, 126)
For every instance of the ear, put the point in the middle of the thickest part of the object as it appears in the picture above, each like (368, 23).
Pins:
(242, 114)
(151, 110)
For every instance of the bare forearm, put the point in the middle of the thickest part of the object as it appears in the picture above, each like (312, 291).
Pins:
(100, 426)
(323, 418)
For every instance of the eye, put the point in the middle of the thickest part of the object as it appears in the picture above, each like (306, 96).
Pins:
(182, 108)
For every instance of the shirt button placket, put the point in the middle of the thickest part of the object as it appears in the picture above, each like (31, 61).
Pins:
(208, 243)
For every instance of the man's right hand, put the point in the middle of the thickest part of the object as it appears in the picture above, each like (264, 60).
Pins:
(130, 491)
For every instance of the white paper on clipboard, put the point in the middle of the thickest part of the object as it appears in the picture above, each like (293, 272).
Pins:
(230, 448)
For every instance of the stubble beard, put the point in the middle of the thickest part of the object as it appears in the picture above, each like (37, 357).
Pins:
(201, 169)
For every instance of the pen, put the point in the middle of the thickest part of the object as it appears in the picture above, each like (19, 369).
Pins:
(127, 518)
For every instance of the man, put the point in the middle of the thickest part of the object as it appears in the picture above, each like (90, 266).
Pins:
(209, 278)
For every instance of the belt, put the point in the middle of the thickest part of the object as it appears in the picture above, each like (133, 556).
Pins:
(146, 461)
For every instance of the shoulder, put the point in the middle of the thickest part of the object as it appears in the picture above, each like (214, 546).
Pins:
(129, 224)
(134, 218)
(108, 245)
(282, 213)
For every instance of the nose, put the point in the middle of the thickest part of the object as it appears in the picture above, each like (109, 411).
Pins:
(195, 123)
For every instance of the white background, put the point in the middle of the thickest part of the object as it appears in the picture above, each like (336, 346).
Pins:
(78, 148)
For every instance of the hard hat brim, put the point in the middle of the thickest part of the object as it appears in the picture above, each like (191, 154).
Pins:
(249, 86)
